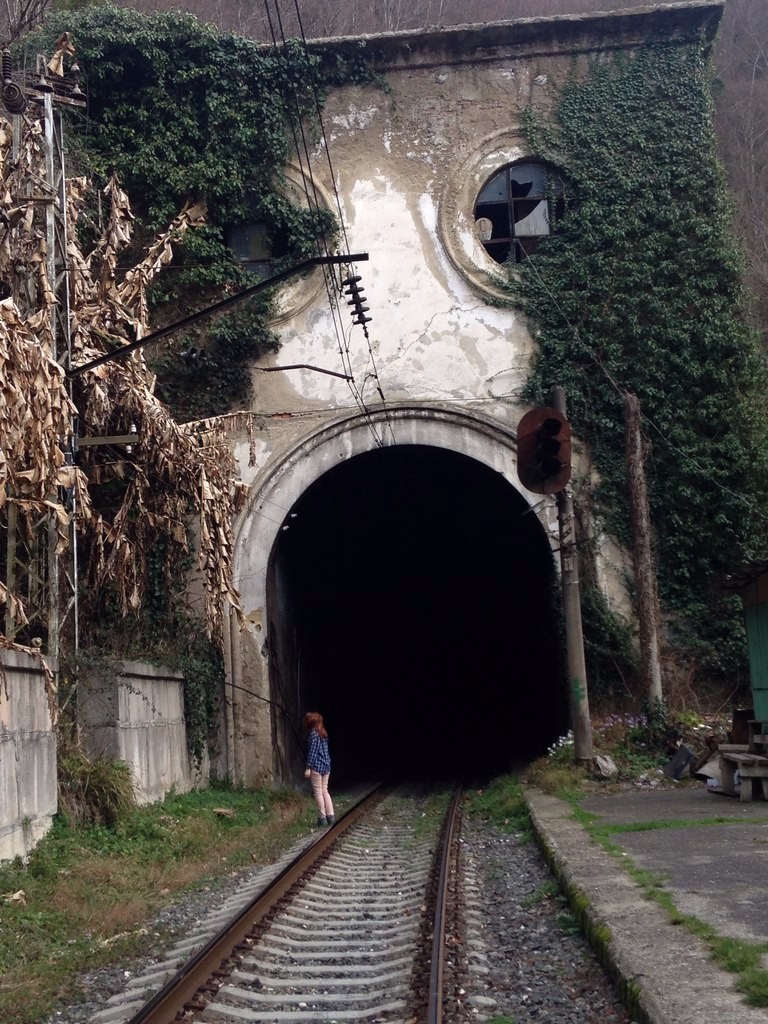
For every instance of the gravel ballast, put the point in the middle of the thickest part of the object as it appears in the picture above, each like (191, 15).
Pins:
(525, 960)
(530, 964)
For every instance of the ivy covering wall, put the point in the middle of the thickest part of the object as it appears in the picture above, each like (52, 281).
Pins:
(639, 289)
(187, 118)
(182, 111)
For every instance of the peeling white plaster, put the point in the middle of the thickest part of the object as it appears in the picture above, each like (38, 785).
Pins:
(356, 118)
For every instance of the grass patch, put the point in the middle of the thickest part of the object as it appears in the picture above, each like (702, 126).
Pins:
(735, 955)
(92, 791)
(568, 923)
(542, 893)
(753, 985)
(431, 817)
(82, 899)
(502, 803)
(563, 779)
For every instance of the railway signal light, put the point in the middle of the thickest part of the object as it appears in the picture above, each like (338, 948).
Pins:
(544, 450)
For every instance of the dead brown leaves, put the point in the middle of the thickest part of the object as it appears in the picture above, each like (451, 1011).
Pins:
(176, 480)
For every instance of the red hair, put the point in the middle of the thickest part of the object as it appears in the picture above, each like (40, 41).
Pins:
(314, 720)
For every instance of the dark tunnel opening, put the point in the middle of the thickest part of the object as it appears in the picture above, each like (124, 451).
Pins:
(415, 604)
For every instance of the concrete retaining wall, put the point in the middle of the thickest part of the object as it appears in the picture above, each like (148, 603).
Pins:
(28, 791)
(134, 712)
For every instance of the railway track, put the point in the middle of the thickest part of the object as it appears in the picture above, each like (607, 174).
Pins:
(354, 929)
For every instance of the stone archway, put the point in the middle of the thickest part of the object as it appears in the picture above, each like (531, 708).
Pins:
(261, 729)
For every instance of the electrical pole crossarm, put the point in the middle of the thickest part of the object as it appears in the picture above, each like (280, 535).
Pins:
(217, 307)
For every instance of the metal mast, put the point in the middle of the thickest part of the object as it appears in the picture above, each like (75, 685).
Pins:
(35, 571)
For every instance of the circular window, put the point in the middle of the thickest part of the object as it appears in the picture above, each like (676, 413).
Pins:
(515, 210)
(259, 246)
(485, 220)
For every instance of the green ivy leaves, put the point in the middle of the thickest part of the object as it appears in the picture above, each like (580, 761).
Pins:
(182, 111)
(639, 289)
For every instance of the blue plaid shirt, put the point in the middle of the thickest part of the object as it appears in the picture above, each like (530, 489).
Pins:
(318, 758)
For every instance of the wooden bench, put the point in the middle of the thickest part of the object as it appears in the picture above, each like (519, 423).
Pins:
(751, 768)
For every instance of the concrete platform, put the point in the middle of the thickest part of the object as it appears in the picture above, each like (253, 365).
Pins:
(711, 852)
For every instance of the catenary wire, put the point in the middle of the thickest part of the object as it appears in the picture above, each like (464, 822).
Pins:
(340, 214)
(332, 178)
(303, 156)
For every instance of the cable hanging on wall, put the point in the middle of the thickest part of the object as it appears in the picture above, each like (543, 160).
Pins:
(335, 285)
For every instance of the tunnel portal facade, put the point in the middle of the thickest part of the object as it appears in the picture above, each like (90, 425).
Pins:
(434, 623)
(407, 590)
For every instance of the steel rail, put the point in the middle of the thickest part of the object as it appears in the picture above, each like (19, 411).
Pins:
(437, 966)
(169, 1002)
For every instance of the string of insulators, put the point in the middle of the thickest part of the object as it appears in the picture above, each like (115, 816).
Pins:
(351, 287)
(11, 94)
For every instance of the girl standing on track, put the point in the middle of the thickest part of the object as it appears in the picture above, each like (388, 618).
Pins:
(318, 768)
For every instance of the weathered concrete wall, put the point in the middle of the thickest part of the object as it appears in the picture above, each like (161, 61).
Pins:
(28, 791)
(134, 712)
(451, 359)
(408, 165)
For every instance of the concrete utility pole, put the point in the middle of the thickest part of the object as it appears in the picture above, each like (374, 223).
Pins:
(642, 551)
(577, 669)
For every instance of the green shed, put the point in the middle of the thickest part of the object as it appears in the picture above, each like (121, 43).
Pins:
(753, 587)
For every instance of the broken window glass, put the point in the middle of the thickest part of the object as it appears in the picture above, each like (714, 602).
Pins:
(515, 209)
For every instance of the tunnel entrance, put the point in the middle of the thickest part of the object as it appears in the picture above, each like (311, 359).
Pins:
(413, 600)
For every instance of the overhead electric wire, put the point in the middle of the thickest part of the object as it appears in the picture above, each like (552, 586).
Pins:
(305, 168)
(332, 176)
(341, 334)
(324, 137)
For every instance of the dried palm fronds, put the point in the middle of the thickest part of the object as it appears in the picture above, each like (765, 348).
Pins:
(174, 474)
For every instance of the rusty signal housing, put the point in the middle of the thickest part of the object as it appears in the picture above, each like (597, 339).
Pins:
(544, 450)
